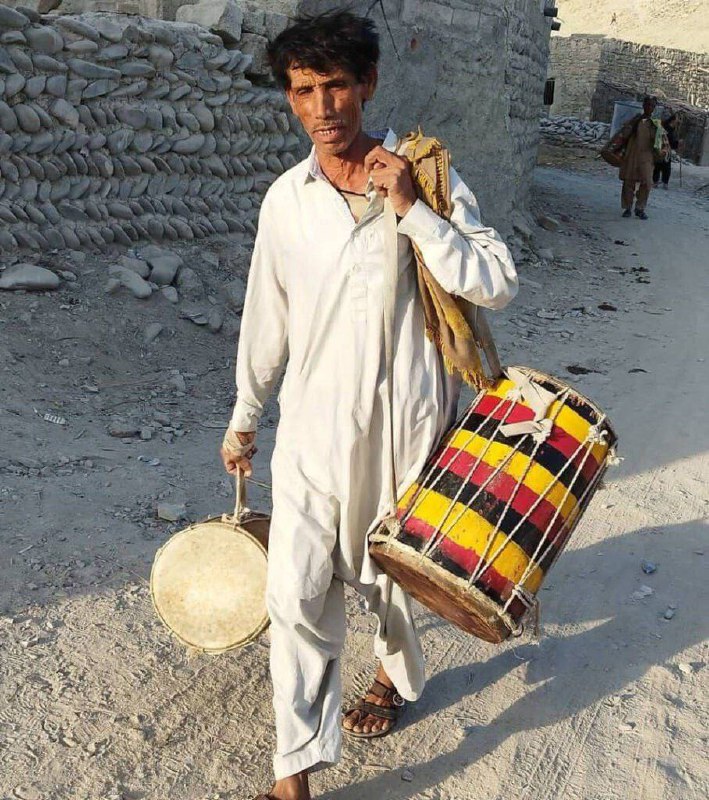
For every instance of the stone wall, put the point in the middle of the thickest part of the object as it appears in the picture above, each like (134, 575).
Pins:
(587, 67)
(115, 129)
(572, 132)
(593, 72)
(574, 63)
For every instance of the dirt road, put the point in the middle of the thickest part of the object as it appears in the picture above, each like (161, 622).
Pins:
(97, 702)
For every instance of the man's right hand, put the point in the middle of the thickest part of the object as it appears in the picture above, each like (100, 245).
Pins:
(237, 451)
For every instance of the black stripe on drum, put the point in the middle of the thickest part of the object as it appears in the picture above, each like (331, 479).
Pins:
(546, 456)
(448, 564)
(437, 556)
(415, 542)
(527, 536)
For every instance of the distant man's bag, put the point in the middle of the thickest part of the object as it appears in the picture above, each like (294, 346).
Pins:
(612, 156)
(614, 151)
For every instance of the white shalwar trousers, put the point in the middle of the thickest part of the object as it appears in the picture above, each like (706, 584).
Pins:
(306, 642)
(320, 536)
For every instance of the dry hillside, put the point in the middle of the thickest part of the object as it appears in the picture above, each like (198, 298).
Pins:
(682, 24)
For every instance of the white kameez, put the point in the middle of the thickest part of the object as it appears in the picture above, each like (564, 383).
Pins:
(315, 300)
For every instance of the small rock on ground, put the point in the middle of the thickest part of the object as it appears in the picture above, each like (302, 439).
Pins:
(122, 429)
(215, 320)
(164, 269)
(29, 277)
(136, 265)
(548, 223)
(170, 294)
(171, 512)
(152, 332)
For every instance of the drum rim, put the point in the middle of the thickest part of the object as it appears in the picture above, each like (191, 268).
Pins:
(262, 625)
(383, 538)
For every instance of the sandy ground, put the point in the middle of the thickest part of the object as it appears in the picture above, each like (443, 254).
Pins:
(682, 24)
(97, 701)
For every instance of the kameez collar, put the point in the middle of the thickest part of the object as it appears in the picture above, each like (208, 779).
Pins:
(387, 136)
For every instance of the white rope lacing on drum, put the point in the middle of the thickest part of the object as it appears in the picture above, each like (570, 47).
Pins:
(482, 565)
(438, 533)
(595, 435)
(531, 510)
(424, 489)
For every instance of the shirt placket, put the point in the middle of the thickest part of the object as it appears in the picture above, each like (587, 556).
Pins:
(357, 279)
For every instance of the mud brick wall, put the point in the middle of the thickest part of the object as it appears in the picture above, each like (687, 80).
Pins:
(592, 71)
(115, 129)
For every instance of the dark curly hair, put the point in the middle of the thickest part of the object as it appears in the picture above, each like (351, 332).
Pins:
(336, 39)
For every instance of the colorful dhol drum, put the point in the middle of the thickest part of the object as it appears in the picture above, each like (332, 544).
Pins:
(497, 502)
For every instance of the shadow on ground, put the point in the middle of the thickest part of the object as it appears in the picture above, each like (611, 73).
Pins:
(568, 674)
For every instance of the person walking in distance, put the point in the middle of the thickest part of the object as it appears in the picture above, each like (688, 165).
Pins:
(663, 166)
(315, 299)
(641, 149)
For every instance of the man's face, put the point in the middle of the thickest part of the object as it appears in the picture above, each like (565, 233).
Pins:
(648, 107)
(329, 106)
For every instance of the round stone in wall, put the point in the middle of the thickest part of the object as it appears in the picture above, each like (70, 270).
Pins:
(44, 39)
(9, 18)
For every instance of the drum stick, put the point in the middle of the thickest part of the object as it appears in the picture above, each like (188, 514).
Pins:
(240, 494)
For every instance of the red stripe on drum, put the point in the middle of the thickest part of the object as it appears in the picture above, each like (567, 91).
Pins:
(560, 439)
(502, 487)
(488, 407)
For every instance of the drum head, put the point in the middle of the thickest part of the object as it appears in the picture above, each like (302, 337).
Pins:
(208, 585)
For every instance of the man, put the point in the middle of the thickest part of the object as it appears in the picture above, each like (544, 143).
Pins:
(315, 298)
(642, 147)
(663, 166)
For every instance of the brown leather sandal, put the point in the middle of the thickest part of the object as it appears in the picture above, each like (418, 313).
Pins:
(391, 712)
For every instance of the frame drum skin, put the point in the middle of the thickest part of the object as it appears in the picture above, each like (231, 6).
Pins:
(208, 583)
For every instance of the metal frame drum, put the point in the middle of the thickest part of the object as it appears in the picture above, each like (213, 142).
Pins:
(208, 581)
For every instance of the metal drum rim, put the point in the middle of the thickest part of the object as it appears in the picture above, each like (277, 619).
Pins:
(262, 625)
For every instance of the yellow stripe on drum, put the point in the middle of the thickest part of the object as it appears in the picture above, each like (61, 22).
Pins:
(471, 532)
(566, 419)
(538, 478)
(408, 497)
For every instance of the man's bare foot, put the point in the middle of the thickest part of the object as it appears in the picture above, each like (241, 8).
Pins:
(295, 787)
(358, 721)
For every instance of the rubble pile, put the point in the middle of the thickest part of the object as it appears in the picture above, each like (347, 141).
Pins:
(574, 132)
(116, 129)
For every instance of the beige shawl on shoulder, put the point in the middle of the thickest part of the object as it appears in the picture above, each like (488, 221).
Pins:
(457, 327)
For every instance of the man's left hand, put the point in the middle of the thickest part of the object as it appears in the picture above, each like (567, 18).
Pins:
(391, 176)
